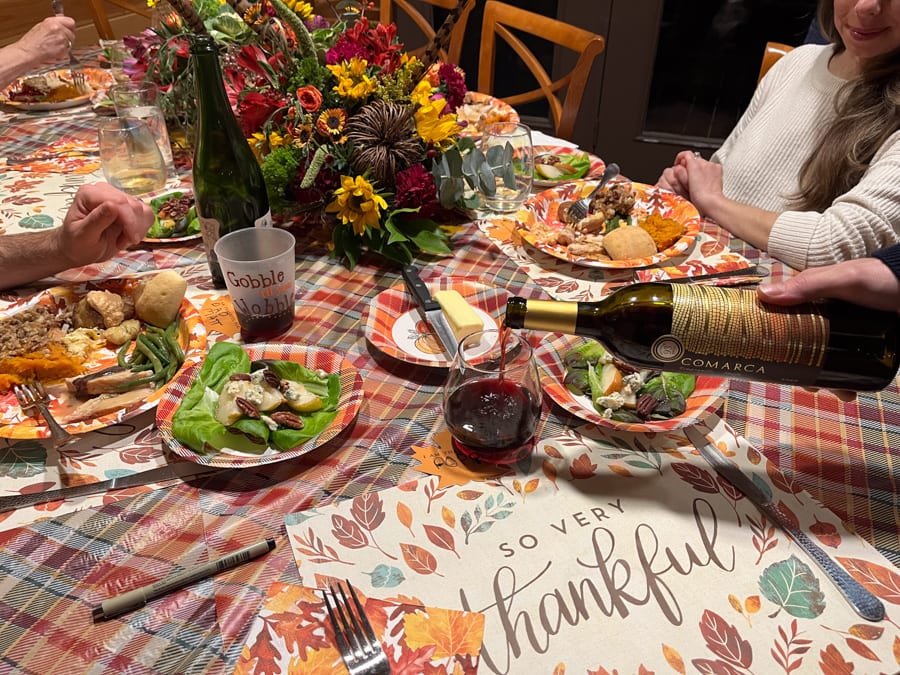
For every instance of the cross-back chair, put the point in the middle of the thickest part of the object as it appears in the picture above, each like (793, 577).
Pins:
(452, 54)
(101, 18)
(563, 94)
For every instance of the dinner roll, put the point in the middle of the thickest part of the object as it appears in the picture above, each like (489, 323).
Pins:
(627, 242)
(160, 298)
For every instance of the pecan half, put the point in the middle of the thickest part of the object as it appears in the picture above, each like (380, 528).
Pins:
(246, 407)
(625, 368)
(646, 404)
(239, 377)
(272, 379)
(287, 419)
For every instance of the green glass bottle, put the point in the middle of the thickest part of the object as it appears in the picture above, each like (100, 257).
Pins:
(728, 332)
(229, 189)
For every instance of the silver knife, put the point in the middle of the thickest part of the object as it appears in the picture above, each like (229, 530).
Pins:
(430, 309)
(866, 605)
(158, 475)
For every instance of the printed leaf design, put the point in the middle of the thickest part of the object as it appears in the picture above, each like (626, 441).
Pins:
(368, 510)
(621, 470)
(481, 520)
(265, 654)
(469, 495)
(314, 548)
(553, 452)
(860, 648)
(348, 533)
(448, 517)
(582, 467)
(385, 576)
(715, 667)
(528, 488)
(23, 459)
(725, 641)
(826, 533)
(441, 537)
(791, 585)
(787, 650)
(673, 658)
(405, 516)
(832, 663)
(865, 631)
(729, 490)
(879, 580)
(698, 478)
(781, 481)
(419, 560)
(36, 221)
(764, 538)
(550, 472)
(450, 631)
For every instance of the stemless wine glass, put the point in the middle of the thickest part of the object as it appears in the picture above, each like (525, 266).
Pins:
(129, 156)
(509, 155)
(492, 400)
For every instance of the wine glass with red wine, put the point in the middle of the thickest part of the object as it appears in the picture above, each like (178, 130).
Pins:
(492, 400)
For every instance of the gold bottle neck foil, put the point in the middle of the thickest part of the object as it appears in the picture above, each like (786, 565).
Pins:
(552, 316)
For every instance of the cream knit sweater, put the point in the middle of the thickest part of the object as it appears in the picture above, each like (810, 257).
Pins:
(762, 157)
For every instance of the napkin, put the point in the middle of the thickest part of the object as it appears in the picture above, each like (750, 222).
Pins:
(291, 634)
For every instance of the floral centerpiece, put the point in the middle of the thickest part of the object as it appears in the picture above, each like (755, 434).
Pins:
(340, 116)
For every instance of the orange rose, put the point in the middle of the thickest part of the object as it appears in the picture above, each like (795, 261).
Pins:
(310, 98)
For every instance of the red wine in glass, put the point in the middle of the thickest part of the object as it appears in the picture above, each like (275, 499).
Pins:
(493, 420)
(256, 328)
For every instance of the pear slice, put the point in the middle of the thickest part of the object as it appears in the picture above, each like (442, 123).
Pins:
(610, 379)
(301, 399)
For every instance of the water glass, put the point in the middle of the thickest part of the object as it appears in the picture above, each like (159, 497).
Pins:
(492, 399)
(509, 155)
(140, 101)
(129, 156)
(115, 53)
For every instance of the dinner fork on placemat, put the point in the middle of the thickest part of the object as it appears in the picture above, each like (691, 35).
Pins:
(359, 646)
(76, 70)
(31, 396)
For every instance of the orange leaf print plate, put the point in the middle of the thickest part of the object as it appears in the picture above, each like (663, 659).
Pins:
(15, 424)
(649, 199)
(394, 325)
(314, 358)
(480, 110)
(708, 396)
(95, 78)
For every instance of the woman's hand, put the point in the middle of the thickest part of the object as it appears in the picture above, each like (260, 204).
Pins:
(49, 41)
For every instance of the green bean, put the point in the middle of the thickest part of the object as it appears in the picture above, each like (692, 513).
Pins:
(174, 348)
(134, 384)
(122, 353)
(157, 342)
(147, 350)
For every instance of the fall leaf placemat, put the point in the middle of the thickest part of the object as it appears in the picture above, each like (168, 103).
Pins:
(616, 553)
(291, 634)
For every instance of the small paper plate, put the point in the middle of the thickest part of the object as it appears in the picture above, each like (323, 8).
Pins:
(314, 358)
(481, 110)
(394, 325)
(94, 77)
(708, 396)
(597, 165)
(187, 192)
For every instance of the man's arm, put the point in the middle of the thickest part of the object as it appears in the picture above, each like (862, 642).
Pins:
(46, 43)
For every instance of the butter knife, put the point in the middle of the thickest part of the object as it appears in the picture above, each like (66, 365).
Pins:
(866, 605)
(160, 474)
(430, 309)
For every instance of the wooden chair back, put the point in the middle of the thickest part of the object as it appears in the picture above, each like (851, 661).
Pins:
(774, 51)
(101, 18)
(452, 54)
(564, 94)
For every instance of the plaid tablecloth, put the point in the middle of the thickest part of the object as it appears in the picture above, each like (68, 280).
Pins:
(55, 557)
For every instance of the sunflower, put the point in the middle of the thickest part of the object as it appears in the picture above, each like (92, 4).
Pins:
(356, 203)
(384, 137)
(331, 122)
(302, 135)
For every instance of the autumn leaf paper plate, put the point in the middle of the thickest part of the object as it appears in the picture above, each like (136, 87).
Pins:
(292, 628)
(708, 395)
(393, 323)
(479, 110)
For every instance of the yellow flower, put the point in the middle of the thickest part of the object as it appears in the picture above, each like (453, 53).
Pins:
(276, 140)
(432, 126)
(356, 203)
(353, 82)
(421, 95)
(152, 3)
(258, 144)
(302, 9)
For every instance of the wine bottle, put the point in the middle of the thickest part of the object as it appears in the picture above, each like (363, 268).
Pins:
(229, 189)
(729, 333)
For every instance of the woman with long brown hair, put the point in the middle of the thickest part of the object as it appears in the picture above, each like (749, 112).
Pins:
(811, 172)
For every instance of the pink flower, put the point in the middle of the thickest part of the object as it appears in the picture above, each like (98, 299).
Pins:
(454, 84)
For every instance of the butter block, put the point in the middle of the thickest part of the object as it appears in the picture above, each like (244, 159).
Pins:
(460, 315)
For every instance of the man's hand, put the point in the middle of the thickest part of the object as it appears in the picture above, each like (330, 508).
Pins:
(101, 222)
(48, 42)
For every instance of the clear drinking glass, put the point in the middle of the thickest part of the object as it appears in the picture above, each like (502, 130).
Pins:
(140, 101)
(492, 400)
(129, 156)
(510, 157)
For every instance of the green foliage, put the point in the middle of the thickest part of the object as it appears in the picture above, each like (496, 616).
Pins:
(279, 169)
(463, 170)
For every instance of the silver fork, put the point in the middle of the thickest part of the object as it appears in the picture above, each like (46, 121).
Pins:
(76, 70)
(582, 207)
(359, 646)
(32, 395)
